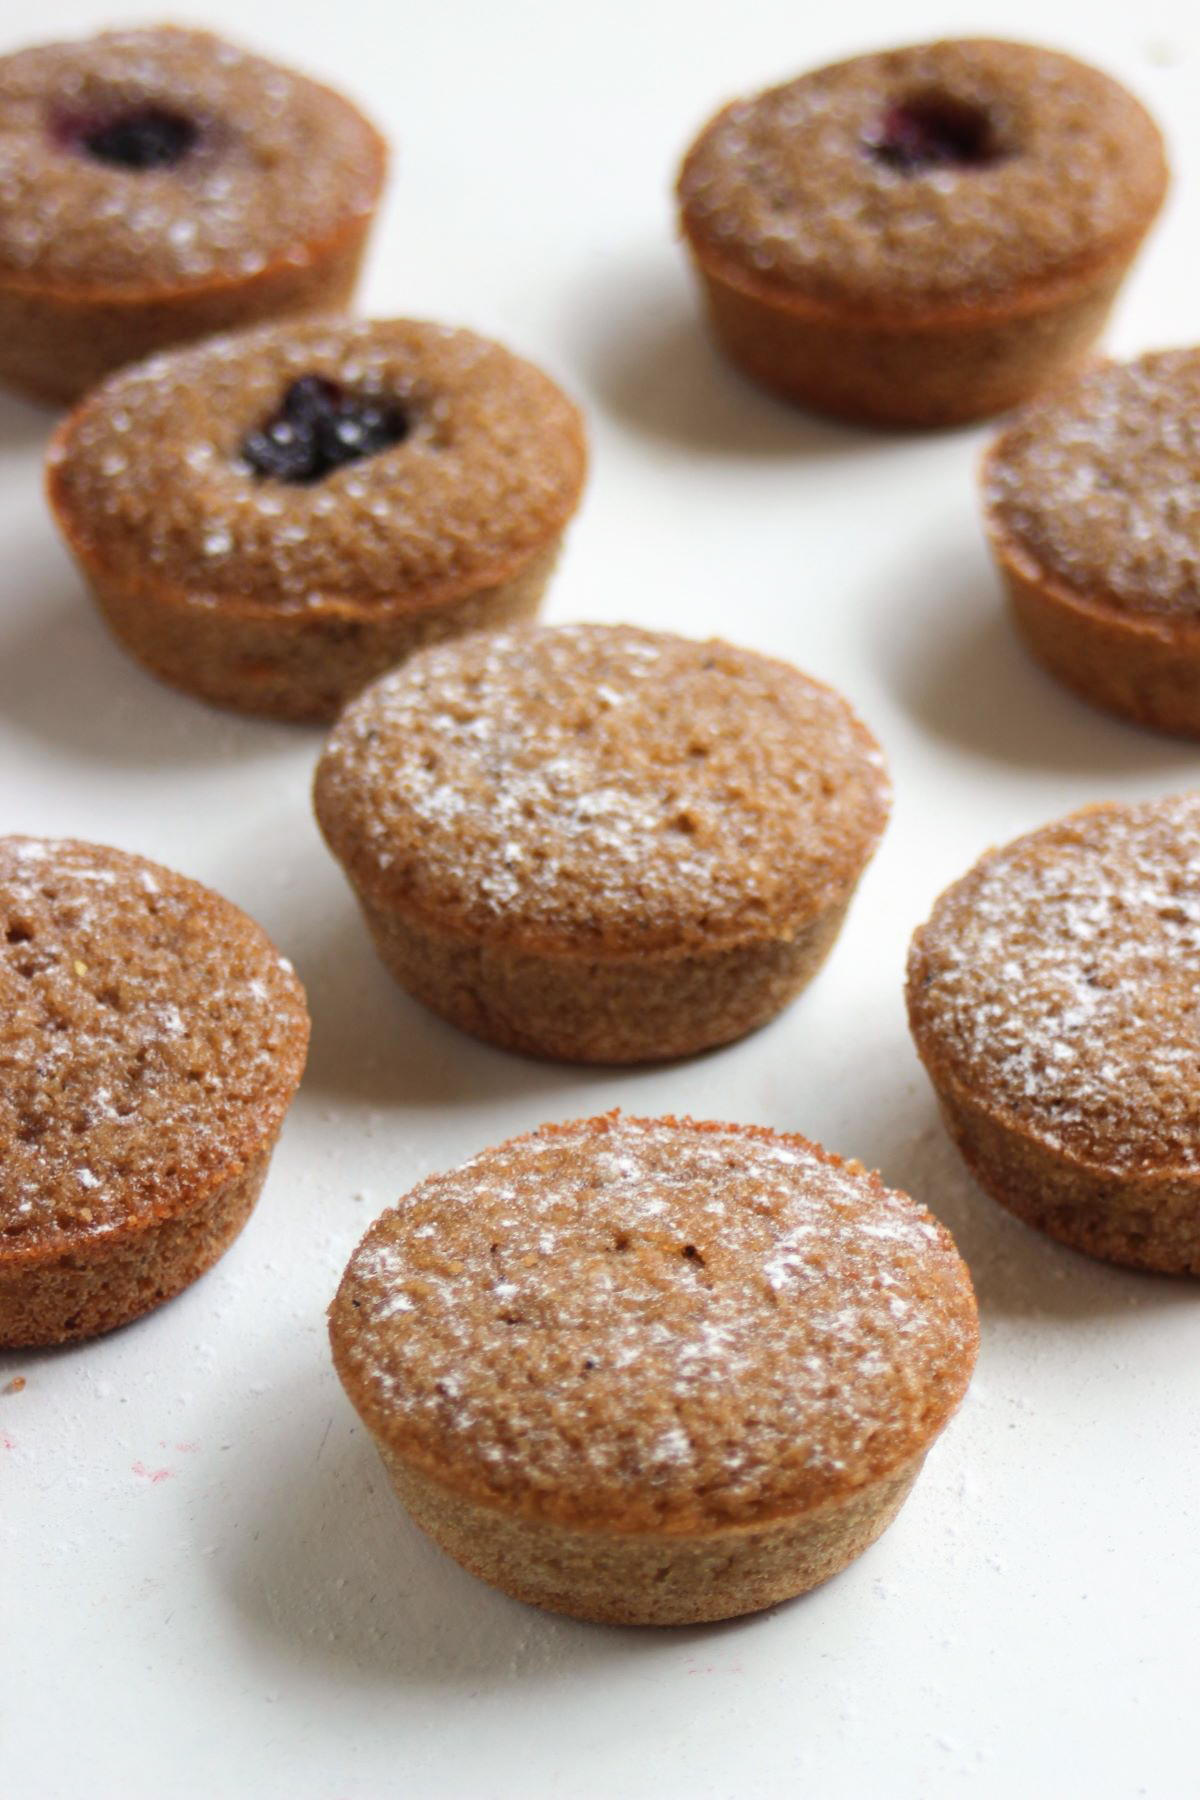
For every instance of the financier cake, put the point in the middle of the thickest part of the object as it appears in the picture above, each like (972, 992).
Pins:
(922, 236)
(651, 1371)
(601, 844)
(1052, 997)
(151, 1039)
(1093, 513)
(160, 185)
(271, 519)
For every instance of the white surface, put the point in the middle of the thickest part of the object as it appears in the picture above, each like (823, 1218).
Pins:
(206, 1586)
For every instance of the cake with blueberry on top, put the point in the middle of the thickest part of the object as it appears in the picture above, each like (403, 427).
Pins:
(159, 185)
(922, 236)
(270, 520)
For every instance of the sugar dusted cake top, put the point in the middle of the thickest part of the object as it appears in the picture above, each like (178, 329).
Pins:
(641, 1324)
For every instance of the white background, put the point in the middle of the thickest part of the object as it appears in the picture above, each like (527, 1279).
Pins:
(206, 1587)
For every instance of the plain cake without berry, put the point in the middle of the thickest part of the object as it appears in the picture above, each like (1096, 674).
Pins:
(271, 519)
(1093, 514)
(151, 1039)
(922, 236)
(1052, 997)
(651, 1371)
(161, 185)
(601, 844)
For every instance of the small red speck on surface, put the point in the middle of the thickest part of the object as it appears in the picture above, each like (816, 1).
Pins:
(152, 1475)
(15, 1385)
(9, 1443)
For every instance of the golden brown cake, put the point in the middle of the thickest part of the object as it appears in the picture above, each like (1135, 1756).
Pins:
(161, 185)
(654, 1372)
(270, 520)
(601, 844)
(151, 1039)
(1052, 997)
(923, 236)
(1093, 514)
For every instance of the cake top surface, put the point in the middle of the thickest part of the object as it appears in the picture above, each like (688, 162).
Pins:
(151, 477)
(1098, 483)
(638, 1324)
(1055, 984)
(962, 172)
(602, 790)
(151, 1038)
(161, 158)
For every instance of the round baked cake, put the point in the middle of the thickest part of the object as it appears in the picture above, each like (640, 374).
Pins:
(652, 1371)
(151, 1039)
(1093, 514)
(601, 844)
(160, 185)
(1052, 997)
(921, 236)
(271, 519)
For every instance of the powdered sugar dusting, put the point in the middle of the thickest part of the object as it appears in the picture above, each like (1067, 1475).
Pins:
(148, 1039)
(604, 783)
(785, 187)
(489, 472)
(279, 164)
(639, 1317)
(1057, 981)
(1100, 483)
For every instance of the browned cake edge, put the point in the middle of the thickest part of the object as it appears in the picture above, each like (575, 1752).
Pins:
(1142, 668)
(83, 1282)
(650, 1578)
(302, 666)
(615, 1010)
(56, 344)
(950, 366)
(61, 1296)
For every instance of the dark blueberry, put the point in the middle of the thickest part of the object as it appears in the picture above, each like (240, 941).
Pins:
(934, 132)
(318, 428)
(148, 138)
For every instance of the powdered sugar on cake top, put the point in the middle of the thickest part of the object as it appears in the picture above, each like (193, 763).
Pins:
(279, 164)
(150, 478)
(603, 785)
(150, 1040)
(785, 186)
(628, 1317)
(1056, 984)
(1100, 484)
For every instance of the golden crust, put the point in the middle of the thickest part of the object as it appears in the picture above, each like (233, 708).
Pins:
(281, 167)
